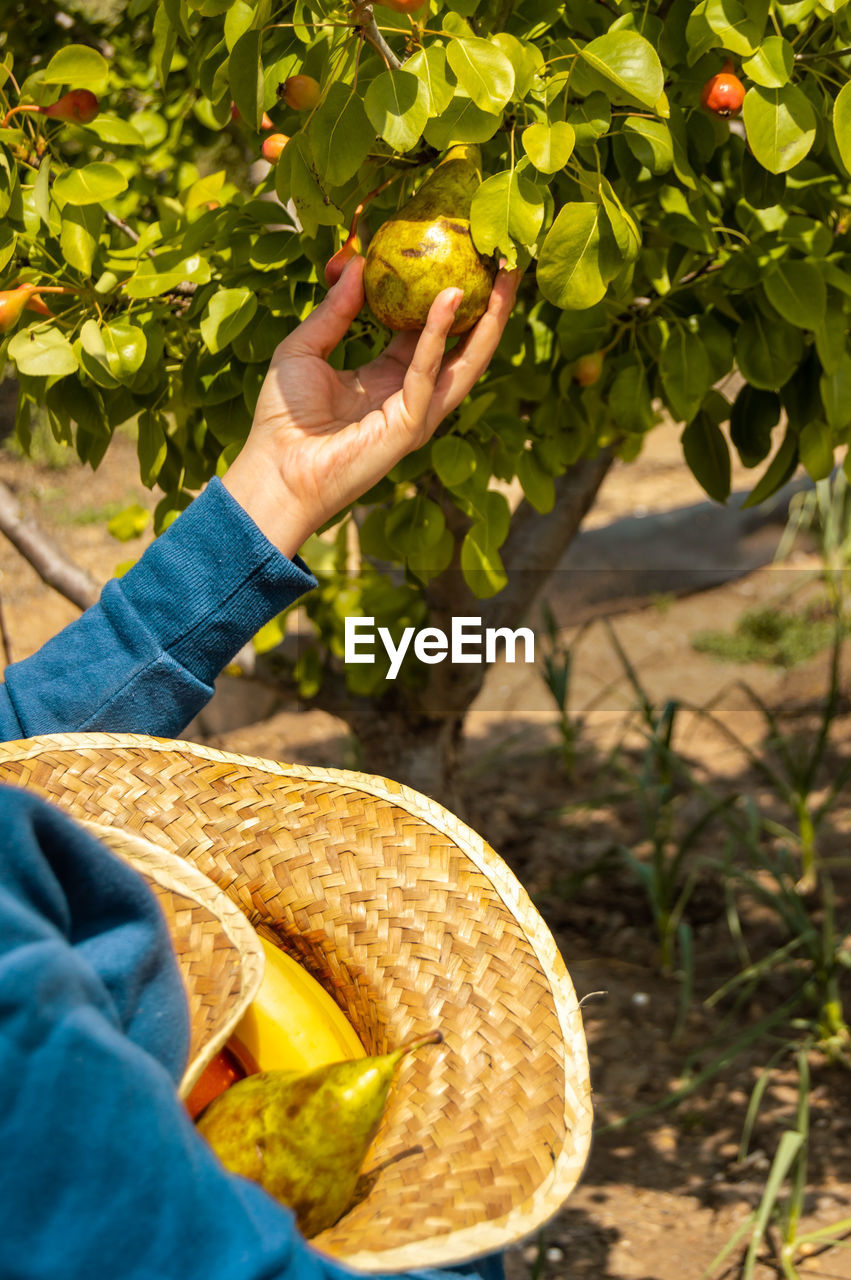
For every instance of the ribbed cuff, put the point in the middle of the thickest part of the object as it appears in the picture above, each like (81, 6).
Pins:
(237, 583)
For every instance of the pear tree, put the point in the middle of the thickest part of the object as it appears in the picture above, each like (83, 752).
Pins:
(673, 178)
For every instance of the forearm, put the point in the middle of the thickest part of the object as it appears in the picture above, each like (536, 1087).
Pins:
(144, 658)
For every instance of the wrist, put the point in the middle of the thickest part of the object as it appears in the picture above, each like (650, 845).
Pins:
(258, 487)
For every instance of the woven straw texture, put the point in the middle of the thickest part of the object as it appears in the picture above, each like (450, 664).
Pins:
(413, 923)
(219, 954)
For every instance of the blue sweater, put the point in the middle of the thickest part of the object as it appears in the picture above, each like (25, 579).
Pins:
(103, 1176)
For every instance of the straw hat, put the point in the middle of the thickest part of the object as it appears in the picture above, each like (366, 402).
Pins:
(409, 919)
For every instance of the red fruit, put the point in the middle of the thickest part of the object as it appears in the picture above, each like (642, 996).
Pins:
(587, 369)
(34, 303)
(273, 146)
(266, 121)
(79, 105)
(301, 92)
(12, 303)
(723, 93)
(335, 266)
(224, 1070)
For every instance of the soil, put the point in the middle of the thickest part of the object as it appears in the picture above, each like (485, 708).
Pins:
(664, 1189)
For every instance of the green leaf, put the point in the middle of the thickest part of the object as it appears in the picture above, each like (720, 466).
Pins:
(397, 105)
(726, 24)
(549, 146)
(151, 446)
(506, 208)
(340, 135)
(453, 459)
(526, 59)
(686, 373)
(590, 119)
(780, 125)
(415, 524)
(462, 121)
(753, 417)
(538, 485)
(71, 403)
(245, 76)
(815, 449)
(42, 353)
(708, 457)
(79, 66)
(129, 523)
(41, 192)
(481, 563)
(650, 142)
(430, 562)
(79, 235)
(835, 391)
(772, 64)
(629, 400)
(778, 471)
(8, 240)
(767, 352)
(91, 184)
(155, 276)
(164, 44)
(629, 66)
(115, 131)
(842, 124)
(429, 66)
(569, 268)
(227, 314)
(483, 72)
(295, 180)
(830, 334)
(798, 292)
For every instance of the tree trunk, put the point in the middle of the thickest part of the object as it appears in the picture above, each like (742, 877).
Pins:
(414, 735)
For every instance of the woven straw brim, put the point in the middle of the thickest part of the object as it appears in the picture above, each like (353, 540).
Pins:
(412, 923)
(219, 954)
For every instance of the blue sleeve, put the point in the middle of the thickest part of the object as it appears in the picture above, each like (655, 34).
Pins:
(144, 658)
(105, 1174)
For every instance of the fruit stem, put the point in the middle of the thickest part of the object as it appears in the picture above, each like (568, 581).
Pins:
(431, 1037)
(19, 107)
(353, 228)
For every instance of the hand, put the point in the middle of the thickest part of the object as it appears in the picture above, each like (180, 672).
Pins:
(321, 437)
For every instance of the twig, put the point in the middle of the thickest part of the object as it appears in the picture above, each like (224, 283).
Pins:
(185, 289)
(126, 228)
(39, 550)
(826, 53)
(365, 22)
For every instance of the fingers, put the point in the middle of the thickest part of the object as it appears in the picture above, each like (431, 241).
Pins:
(329, 322)
(463, 368)
(422, 374)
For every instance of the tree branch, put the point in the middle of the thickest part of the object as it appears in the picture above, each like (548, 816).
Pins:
(39, 550)
(364, 21)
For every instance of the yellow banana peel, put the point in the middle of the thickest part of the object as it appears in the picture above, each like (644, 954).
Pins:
(293, 1024)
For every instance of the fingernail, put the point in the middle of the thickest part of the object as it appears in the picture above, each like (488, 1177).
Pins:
(456, 299)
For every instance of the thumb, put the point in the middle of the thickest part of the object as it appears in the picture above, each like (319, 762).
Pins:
(329, 322)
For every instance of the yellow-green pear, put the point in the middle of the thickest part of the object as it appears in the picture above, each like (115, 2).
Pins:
(427, 247)
(304, 1135)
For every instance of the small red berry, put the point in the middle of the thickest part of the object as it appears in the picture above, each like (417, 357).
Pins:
(273, 146)
(724, 93)
(301, 93)
(587, 369)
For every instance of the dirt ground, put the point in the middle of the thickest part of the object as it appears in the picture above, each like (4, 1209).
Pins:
(660, 1196)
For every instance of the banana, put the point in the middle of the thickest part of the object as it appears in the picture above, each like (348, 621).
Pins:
(293, 1024)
